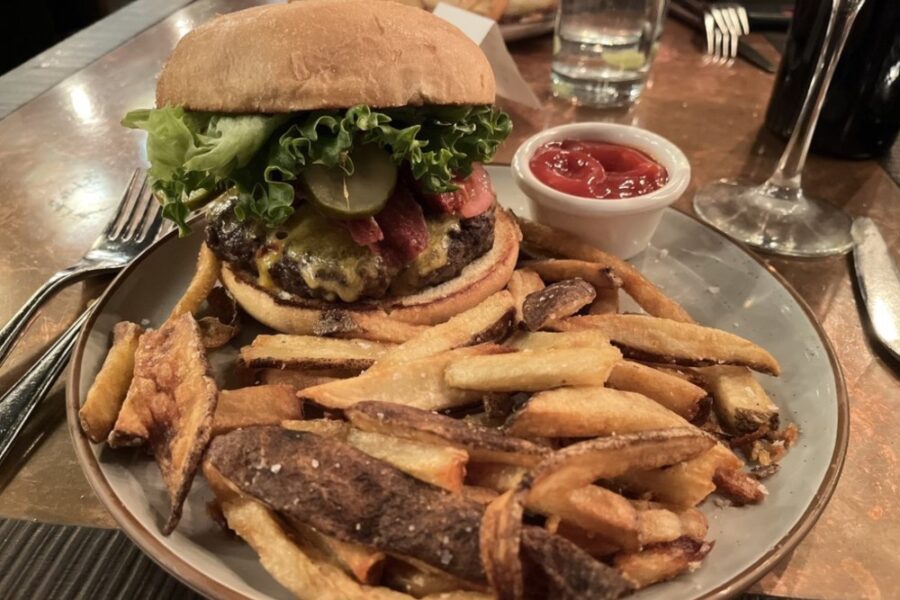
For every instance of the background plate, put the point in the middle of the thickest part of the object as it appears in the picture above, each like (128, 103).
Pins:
(717, 281)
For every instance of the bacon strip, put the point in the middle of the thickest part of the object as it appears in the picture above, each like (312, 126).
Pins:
(364, 232)
(474, 196)
(403, 224)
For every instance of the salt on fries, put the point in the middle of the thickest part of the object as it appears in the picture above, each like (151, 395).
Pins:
(339, 473)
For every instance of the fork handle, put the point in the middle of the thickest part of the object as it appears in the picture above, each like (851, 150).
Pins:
(9, 334)
(20, 400)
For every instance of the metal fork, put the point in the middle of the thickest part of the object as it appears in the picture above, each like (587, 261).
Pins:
(730, 21)
(133, 228)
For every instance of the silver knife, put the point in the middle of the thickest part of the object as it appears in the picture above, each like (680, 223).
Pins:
(879, 282)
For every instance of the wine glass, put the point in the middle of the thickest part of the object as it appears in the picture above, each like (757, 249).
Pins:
(777, 216)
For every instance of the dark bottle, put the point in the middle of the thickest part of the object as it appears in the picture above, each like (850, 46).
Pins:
(861, 115)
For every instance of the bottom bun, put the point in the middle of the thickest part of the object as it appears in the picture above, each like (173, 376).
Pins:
(288, 313)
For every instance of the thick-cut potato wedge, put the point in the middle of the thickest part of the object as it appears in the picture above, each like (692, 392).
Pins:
(376, 326)
(740, 402)
(556, 301)
(418, 383)
(606, 302)
(533, 370)
(546, 340)
(363, 564)
(560, 269)
(487, 321)
(101, 408)
(658, 525)
(589, 412)
(482, 443)
(205, 278)
(663, 340)
(676, 394)
(593, 509)
(648, 296)
(416, 580)
(346, 494)
(522, 283)
(297, 568)
(685, 484)
(300, 380)
(440, 465)
(221, 322)
(311, 352)
(656, 522)
(255, 405)
(170, 405)
(499, 477)
(661, 562)
(739, 487)
(592, 543)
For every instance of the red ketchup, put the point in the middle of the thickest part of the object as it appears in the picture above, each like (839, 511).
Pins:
(597, 169)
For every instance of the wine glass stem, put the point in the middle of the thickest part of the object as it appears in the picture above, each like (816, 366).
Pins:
(790, 166)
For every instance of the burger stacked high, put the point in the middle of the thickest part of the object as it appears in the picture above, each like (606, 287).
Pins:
(342, 142)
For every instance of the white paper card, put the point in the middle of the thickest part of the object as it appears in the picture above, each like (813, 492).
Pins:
(486, 34)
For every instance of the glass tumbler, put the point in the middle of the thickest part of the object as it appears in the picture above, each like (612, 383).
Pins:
(602, 49)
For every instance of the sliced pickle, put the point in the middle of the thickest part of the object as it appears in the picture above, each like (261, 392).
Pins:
(362, 194)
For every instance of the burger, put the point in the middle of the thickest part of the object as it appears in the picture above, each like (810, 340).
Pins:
(337, 147)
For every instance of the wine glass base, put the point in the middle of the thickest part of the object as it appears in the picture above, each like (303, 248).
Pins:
(774, 219)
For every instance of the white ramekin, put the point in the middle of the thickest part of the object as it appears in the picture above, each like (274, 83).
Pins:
(623, 227)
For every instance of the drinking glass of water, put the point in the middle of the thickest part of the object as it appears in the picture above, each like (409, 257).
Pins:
(602, 49)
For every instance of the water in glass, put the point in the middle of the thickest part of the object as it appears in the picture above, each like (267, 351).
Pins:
(602, 49)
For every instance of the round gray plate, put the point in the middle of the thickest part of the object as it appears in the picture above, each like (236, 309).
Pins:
(717, 281)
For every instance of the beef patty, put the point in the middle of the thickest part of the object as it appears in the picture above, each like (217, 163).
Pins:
(313, 257)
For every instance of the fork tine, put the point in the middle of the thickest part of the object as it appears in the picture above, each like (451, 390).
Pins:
(719, 18)
(717, 45)
(710, 26)
(135, 222)
(735, 28)
(744, 18)
(151, 222)
(114, 226)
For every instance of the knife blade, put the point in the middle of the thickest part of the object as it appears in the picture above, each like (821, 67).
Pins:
(879, 282)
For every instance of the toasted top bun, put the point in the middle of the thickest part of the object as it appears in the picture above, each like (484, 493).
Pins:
(478, 280)
(320, 54)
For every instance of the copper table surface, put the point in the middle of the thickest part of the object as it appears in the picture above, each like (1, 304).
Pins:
(64, 162)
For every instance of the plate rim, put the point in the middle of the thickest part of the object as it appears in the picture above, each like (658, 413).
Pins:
(205, 584)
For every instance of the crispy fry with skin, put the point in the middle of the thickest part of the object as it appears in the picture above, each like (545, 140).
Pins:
(667, 341)
(676, 394)
(545, 340)
(255, 405)
(417, 580)
(222, 321)
(496, 476)
(590, 542)
(312, 352)
(487, 321)
(363, 564)
(560, 269)
(482, 443)
(660, 562)
(376, 326)
(739, 487)
(740, 402)
(205, 278)
(170, 406)
(533, 370)
(302, 379)
(606, 302)
(419, 383)
(556, 301)
(101, 408)
(522, 283)
(647, 295)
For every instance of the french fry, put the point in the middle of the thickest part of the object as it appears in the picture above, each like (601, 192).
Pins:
(205, 277)
(532, 370)
(363, 564)
(311, 352)
(654, 526)
(293, 566)
(101, 407)
(606, 302)
(222, 321)
(522, 283)
(301, 379)
(595, 509)
(740, 402)
(589, 412)
(170, 405)
(685, 484)
(481, 443)
(739, 486)
(488, 321)
(417, 580)
(556, 301)
(376, 326)
(499, 477)
(676, 394)
(545, 340)
(590, 542)
(439, 465)
(661, 562)
(648, 296)
(479, 494)
(666, 341)
(658, 525)
(418, 383)
(556, 269)
(255, 405)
